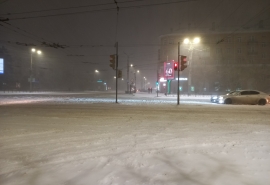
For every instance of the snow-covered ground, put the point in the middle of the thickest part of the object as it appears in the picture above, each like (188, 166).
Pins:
(98, 97)
(54, 139)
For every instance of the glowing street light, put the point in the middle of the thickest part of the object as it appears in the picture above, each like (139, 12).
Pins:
(33, 50)
(186, 41)
(196, 40)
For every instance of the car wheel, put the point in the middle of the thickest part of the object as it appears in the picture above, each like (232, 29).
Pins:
(262, 102)
(228, 101)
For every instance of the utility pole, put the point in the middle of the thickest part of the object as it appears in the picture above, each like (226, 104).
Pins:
(127, 73)
(178, 78)
(190, 72)
(157, 83)
(116, 45)
(135, 87)
(116, 71)
(31, 73)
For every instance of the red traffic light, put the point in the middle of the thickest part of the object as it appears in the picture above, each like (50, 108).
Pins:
(183, 62)
(175, 66)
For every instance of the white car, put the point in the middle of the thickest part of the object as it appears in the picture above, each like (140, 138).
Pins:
(252, 97)
(214, 98)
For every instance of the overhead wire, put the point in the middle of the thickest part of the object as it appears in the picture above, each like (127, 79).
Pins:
(227, 18)
(210, 12)
(27, 32)
(3, 1)
(72, 7)
(15, 31)
(99, 10)
(260, 12)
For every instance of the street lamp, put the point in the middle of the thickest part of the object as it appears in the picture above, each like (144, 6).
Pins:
(135, 82)
(128, 55)
(144, 82)
(96, 79)
(33, 50)
(195, 41)
(135, 79)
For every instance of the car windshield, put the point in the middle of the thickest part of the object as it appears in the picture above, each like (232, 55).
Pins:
(230, 92)
(234, 93)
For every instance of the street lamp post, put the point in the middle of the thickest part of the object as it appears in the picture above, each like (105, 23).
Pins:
(95, 79)
(33, 50)
(191, 49)
(128, 83)
(136, 80)
(178, 75)
(134, 73)
(144, 83)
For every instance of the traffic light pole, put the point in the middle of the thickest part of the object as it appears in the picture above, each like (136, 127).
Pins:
(128, 74)
(116, 72)
(157, 82)
(178, 79)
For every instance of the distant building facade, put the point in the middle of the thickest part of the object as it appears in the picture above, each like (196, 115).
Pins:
(222, 61)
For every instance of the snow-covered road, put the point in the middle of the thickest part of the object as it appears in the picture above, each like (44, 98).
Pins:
(52, 142)
(98, 97)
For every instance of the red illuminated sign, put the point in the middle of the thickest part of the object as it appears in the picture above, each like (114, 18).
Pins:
(169, 70)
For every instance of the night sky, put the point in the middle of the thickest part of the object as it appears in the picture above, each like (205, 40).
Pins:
(78, 36)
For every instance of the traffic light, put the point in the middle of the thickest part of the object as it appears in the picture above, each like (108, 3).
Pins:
(175, 66)
(183, 63)
(119, 74)
(112, 61)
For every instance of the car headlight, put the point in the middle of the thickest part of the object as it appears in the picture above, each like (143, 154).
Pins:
(220, 98)
(215, 97)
